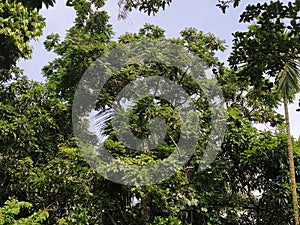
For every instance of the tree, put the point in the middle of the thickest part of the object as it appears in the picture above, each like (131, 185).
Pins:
(288, 85)
(39, 163)
(270, 48)
(249, 160)
(119, 211)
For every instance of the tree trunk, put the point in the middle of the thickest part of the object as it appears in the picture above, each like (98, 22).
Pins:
(291, 162)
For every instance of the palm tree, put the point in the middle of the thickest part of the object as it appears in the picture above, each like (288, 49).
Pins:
(288, 85)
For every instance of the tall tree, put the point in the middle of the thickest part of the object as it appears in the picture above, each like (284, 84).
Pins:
(269, 49)
(288, 85)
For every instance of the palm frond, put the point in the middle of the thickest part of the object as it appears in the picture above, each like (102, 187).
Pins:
(102, 118)
(289, 79)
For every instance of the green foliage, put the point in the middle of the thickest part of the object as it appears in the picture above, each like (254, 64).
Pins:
(149, 7)
(269, 42)
(12, 208)
(37, 160)
(248, 183)
(223, 5)
(166, 221)
(18, 25)
(289, 79)
(84, 43)
(270, 49)
(250, 161)
(51, 41)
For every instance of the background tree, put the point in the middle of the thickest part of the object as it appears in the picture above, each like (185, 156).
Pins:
(269, 49)
(250, 161)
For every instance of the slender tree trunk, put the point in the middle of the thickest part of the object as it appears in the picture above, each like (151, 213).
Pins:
(291, 162)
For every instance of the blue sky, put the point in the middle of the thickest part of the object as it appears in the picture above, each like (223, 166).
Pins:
(201, 14)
